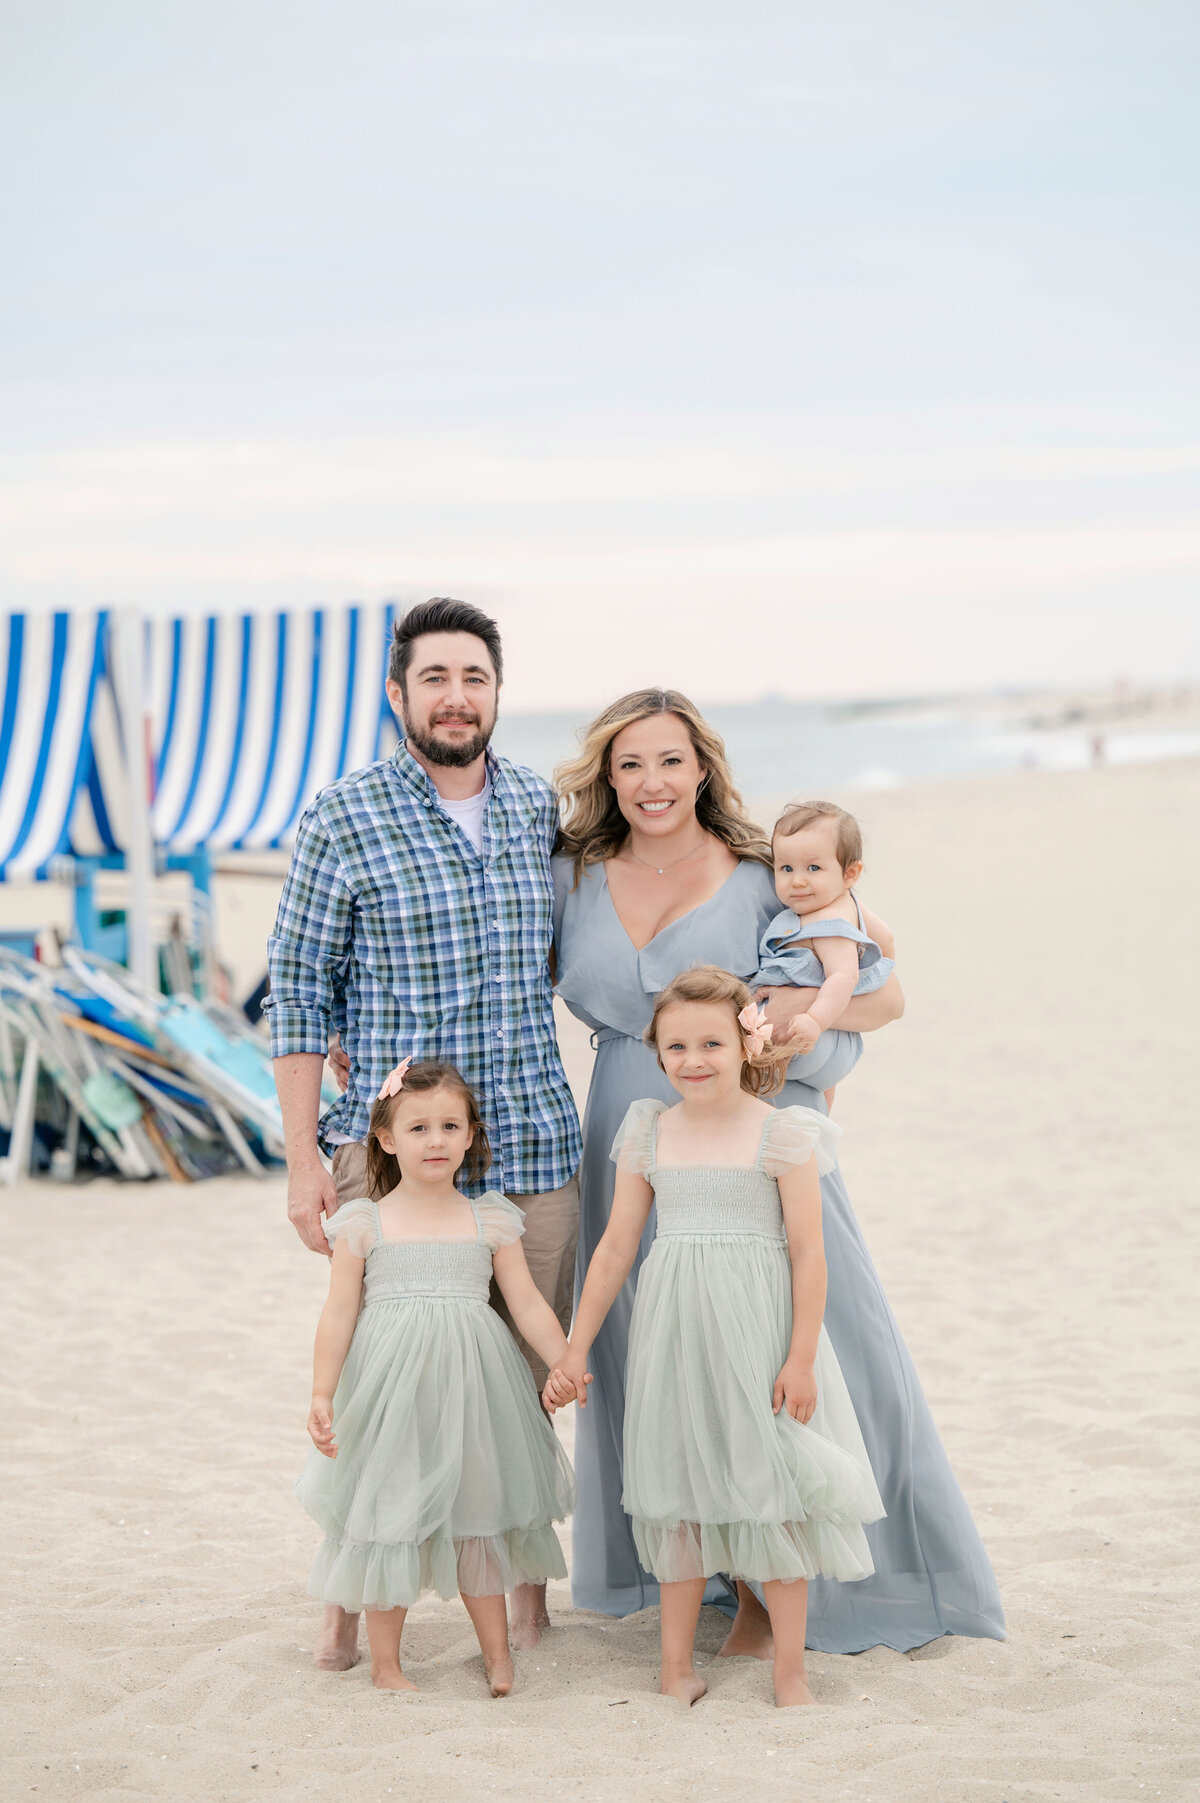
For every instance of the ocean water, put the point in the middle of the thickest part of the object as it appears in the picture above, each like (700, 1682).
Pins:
(780, 748)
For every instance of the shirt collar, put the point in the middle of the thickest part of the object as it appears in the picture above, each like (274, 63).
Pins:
(414, 776)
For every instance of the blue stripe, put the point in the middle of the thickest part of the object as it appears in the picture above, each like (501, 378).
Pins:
(280, 664)
(58, 659)
(172, 703)
(239, 730)
(12, 688)
(210, 655)
(351, 654)
(86, 758)
(314, 694)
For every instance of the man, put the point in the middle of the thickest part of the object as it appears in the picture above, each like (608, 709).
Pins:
(416, 920)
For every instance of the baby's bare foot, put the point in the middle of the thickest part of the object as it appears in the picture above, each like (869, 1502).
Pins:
(337, 1646)
(687, 1689)
(791, 1688)
(499, 1675)
(390, 1677)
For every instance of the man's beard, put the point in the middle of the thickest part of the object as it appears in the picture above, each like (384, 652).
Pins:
(450, 756)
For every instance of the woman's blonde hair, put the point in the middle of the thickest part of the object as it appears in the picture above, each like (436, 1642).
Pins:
(763, 1073)
(593, 826)
(383, 1170)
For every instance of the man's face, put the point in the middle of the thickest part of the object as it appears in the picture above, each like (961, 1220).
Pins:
(448, 704)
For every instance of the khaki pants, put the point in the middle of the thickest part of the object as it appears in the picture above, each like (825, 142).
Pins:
(551, 1237)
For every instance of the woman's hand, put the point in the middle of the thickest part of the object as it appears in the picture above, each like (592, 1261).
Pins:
(795, 1390)
(567, 1382)
(320, 1426)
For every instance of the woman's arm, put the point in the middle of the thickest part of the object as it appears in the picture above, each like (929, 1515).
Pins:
(335, 1330)
(532, 1315)
(800, 1194)
(610, 1265)
(862, 1013)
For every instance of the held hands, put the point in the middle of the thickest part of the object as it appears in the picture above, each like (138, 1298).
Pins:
(567, 1383)
(320, 1426)
(795, 1390)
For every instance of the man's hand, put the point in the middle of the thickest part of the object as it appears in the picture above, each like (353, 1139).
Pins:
(339, 1063)
(311, 1193)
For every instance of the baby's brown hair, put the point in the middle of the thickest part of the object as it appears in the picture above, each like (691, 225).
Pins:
(763, 1073)
(799, 814)
(383, 1170)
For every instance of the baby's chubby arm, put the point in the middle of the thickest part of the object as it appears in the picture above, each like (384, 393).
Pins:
(335, 1330)
(610, 1265)
(839, 960)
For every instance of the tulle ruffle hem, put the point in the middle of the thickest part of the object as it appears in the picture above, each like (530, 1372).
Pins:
(382, 1575)
(759, 1552)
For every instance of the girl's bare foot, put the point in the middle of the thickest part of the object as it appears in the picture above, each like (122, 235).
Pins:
(686, 1687)
(791, 1688)
(499, 1675)
(337, 1645)
(390, 1677)
(528, 1619)
(750, 1636)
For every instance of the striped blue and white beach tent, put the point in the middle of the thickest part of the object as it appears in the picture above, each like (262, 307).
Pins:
(246, 717)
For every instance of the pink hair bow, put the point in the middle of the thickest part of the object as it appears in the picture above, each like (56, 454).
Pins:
(393, 1083)
(756, 1027)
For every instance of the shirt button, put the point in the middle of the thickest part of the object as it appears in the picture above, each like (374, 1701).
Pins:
(495, 979)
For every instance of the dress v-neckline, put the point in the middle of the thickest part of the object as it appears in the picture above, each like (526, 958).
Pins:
(639, 949)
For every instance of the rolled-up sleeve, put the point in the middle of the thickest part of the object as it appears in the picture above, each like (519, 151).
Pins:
(308, 952)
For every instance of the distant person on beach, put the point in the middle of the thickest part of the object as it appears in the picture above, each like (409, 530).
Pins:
(817, 851)
(416, 917)
(660, 868)
(742, 1452)
(434, 1466)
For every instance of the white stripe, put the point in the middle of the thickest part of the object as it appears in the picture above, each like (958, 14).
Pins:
(184, 750)
(110, 761)
(330, 721)
(293, 726)
(369, 674)
(256, 734)
(36, 660)
(159, 667)
(217, 750)
(58, 778)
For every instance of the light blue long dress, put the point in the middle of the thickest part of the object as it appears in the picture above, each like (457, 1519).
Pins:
(932, 1575)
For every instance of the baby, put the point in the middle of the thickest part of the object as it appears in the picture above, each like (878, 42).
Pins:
(824, 939)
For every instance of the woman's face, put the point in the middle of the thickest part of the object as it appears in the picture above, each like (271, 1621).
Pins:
(655, 773)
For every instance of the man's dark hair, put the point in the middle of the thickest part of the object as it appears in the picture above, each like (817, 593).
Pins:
(441, 615)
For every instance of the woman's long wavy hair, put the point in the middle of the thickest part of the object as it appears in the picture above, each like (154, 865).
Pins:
(593, 826)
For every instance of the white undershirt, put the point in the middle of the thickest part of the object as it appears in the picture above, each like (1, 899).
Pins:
(469, 813)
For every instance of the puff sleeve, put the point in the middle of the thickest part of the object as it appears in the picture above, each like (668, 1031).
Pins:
(794, 1135)
(356, 1223)
(501, 1222)
(633, 1147)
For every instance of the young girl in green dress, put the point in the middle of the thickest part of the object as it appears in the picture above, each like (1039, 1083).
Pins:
(434, 1466)
(743, 1454)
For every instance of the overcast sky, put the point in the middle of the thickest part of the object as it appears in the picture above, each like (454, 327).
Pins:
(745, 346)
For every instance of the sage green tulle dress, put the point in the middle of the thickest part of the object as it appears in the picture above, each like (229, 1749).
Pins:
(448, 1476)
(714, 1481)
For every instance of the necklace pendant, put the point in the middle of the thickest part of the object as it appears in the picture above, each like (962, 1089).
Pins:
(660, 873)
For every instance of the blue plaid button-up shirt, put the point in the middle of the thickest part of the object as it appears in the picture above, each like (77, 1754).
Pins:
(394, 930)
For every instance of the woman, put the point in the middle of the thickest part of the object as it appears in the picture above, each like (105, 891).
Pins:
(658, 868)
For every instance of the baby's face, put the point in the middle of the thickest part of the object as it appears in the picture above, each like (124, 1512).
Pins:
(808, 874)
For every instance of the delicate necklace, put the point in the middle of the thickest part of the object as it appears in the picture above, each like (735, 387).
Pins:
(670, 866)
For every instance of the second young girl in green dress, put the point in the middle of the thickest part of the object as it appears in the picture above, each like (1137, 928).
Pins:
(743, 1454)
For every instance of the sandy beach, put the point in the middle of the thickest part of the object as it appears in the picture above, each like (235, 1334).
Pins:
(1020, 1153)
